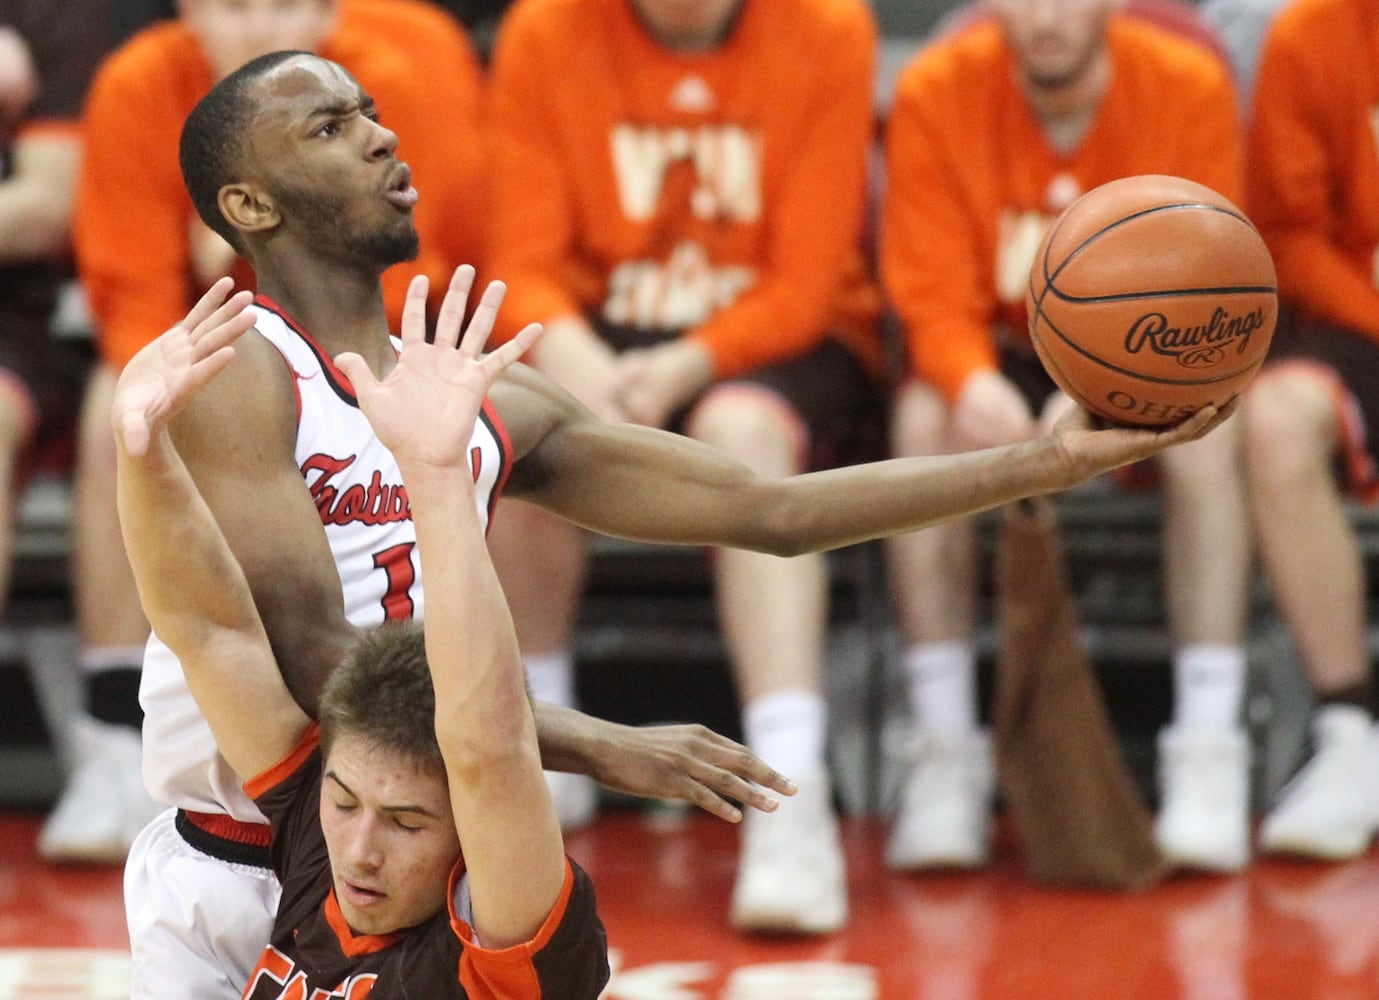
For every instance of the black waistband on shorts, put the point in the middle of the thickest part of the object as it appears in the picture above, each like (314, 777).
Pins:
(225, 838)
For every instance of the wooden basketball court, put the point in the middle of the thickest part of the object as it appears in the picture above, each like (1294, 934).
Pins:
(1285, 930)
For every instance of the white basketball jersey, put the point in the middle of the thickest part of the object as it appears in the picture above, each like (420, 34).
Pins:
(358, 491)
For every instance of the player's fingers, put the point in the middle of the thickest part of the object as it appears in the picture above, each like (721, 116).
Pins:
(208, 303)
(510, 353)
(481, 323)
(702, 797)
(736, 759)
(356, 370)
(450, 320)
(1196, 425)
(206, 369)
(414, 310)
(224, 325)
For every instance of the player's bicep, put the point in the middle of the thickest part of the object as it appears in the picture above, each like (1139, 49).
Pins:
(238, 441)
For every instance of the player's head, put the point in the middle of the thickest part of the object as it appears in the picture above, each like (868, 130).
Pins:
(232, 32)
(287, 150)
(1056, 43)
(688, 25)
(385, 801)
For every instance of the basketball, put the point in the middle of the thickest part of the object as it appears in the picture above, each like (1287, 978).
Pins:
(1151, 297)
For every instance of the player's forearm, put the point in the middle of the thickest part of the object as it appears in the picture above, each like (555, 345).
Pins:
(189, 583)
(482, 709)
(634, 482)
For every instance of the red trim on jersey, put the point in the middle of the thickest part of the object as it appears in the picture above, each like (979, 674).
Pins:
(488, 413)
(285, 768)
(496, 974)
(353, 944)
(334, 375)
(228, 828)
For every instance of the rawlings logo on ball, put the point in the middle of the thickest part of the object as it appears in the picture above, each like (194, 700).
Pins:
(1198, 346)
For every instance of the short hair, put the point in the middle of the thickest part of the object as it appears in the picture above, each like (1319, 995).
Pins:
(382, 693)
(211, 146)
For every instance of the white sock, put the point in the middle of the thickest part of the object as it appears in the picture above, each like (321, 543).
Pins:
(552, 677)
(786, 730)
(1208, 685)
(943, 686)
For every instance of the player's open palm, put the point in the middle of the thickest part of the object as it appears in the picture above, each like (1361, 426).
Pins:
(167, 373)
(424, 409)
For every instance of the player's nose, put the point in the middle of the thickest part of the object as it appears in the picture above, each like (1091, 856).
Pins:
(382, 141)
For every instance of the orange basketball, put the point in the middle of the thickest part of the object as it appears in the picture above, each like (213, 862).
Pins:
(1151, 297)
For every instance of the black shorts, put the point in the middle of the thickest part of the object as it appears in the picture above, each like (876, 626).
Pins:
(1026, 372)
(840, 406)
(1351, 359)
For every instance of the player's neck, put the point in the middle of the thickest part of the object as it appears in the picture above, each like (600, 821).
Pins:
(341, 313)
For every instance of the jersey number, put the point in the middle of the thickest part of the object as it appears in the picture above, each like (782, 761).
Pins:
(396, 564)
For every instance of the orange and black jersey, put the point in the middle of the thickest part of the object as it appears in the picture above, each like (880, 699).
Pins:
(314, 955)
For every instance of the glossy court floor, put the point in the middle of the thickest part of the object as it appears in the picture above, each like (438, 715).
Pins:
(1286, 930)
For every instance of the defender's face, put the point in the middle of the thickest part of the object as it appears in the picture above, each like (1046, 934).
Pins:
(1055, 42)
(688, 25)
(319, 150)
(390, 835)
(232, 32)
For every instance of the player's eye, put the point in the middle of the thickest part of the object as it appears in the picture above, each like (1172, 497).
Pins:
(409, 827)
(329, 128)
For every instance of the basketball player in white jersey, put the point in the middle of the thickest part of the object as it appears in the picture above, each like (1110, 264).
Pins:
(287, 160)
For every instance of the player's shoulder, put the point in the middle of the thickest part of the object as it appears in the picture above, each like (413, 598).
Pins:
(826, 16)
(1187, 50)
(1306, 22)
(963, 60)
(533, 408)
(160, 56)
(568, 19)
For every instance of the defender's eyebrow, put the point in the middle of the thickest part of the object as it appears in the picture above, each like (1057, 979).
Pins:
(421, 810)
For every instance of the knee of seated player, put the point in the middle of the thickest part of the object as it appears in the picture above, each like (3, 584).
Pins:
(1289, 425)
(754, 425)
(920, 420)
(1212, 462)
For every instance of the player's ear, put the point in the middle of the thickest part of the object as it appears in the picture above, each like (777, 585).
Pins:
(248, 207)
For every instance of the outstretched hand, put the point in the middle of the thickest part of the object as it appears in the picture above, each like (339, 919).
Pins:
(1093, 446)
(167, 373)
(424, 409)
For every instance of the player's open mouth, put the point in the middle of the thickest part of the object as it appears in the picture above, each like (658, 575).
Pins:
(400, 191)
(358, 895)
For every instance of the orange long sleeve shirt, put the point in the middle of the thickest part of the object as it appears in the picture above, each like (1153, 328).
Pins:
(133, 213)
(972, 181)
(720, 195)
(1313, 186)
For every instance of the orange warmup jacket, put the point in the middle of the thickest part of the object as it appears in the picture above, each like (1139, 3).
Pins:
(1314, 158)
(972, 182)
(133, 212)
(720, 194)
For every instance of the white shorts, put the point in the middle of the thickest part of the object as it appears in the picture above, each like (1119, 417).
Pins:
(197, 925)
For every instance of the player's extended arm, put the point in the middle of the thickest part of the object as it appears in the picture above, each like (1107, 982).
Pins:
(190, 585)
(637, 482)
(424, 411)
(238, 438)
